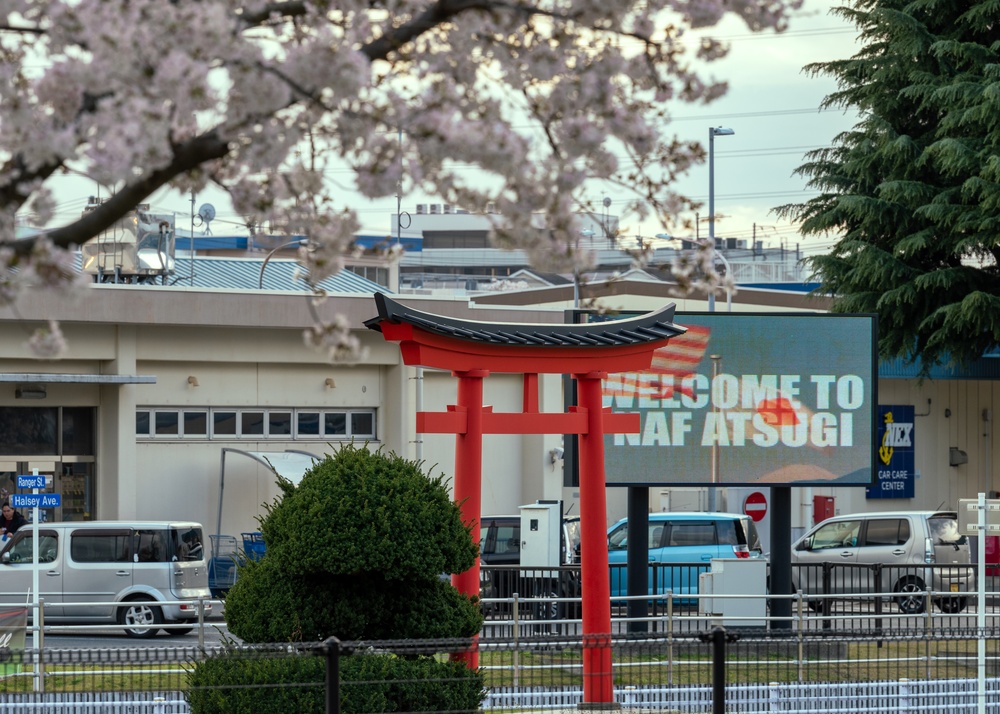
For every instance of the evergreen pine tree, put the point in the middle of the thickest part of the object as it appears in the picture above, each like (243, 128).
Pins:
(914, 187)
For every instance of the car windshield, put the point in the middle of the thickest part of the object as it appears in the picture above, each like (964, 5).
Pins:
(618, 538)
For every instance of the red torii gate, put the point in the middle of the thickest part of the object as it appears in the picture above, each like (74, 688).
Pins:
(471, 350)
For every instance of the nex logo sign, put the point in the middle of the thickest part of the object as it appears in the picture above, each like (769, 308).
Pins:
(896, 434)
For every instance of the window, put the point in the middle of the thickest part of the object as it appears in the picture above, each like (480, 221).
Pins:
(196, 423)
(78, 431)
(98, 546)
(335, 424)
(186, 544)
(252, 424)
(21, 548)
(279, 424)
(258, 424)
(167, 424)
(371, 272)
(693, 533)
(29, 430)
(504, 538)
(363, 424)
(151, 546)
(887, 531)
(839, 534)
(618, 540)
(224, 423)
(308, 424)
(944, 531)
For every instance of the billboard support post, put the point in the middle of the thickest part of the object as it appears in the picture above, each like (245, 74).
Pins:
(637, 557)
(781, 567)
(713, 487)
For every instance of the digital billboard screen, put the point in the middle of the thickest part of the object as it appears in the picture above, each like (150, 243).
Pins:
(751, 399)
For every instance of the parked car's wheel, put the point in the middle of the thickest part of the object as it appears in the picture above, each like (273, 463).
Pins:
(547, 609)
(140, 618)
(952, 604)
(910, 598)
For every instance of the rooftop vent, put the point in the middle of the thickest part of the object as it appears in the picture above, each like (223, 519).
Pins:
(421, 209)
(435, 209)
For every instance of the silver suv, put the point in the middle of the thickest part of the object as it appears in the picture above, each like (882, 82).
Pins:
(891, 552)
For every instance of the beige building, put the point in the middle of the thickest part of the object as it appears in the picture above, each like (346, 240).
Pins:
(159, 379)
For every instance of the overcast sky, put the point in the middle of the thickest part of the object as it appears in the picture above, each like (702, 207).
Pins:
(772, 106)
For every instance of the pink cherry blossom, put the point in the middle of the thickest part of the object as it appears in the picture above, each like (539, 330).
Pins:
(264, 98)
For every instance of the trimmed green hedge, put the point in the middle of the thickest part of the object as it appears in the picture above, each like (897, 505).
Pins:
(240, 682)
(268, 605)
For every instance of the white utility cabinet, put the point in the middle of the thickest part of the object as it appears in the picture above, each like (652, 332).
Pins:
(540, 524)
(735, 576)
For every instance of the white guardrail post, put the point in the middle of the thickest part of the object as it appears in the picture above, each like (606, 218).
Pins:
(981, 609)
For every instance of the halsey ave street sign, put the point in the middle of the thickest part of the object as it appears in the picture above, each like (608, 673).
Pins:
(35, 500)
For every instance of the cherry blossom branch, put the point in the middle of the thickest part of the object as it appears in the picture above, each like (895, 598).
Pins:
(187, 157)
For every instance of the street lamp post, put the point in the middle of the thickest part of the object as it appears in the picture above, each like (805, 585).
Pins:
(714, 131)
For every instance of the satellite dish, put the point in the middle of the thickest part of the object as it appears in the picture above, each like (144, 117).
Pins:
(206, 212)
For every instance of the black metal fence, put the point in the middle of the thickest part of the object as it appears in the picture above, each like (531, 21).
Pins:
(832, 595)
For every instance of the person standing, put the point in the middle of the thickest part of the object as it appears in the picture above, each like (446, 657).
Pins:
(10, 520)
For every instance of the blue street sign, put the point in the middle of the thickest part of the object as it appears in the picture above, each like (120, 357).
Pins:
(30, 481)
(33, 500)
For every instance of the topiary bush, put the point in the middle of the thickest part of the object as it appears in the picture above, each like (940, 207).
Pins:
(368, 512)
(270, 606)
(356, 551)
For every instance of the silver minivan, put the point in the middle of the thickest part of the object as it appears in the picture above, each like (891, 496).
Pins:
(905, 553)
(87, 566)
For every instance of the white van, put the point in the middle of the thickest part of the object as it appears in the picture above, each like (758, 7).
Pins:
(86, 566)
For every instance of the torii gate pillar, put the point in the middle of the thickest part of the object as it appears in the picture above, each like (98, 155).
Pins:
(471, 350)
(594, 574)
(468, 487)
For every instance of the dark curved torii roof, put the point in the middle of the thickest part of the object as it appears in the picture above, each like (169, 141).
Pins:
(539, 347)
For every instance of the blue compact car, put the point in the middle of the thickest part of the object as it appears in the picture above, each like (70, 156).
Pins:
(682, 546)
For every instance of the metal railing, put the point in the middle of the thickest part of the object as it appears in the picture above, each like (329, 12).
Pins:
(715, 669)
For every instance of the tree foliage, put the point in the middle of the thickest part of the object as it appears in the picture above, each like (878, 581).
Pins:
(914, 187)
(356, 551)
(268, 99)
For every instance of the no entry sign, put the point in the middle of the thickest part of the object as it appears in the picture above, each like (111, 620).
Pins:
(755, 506)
